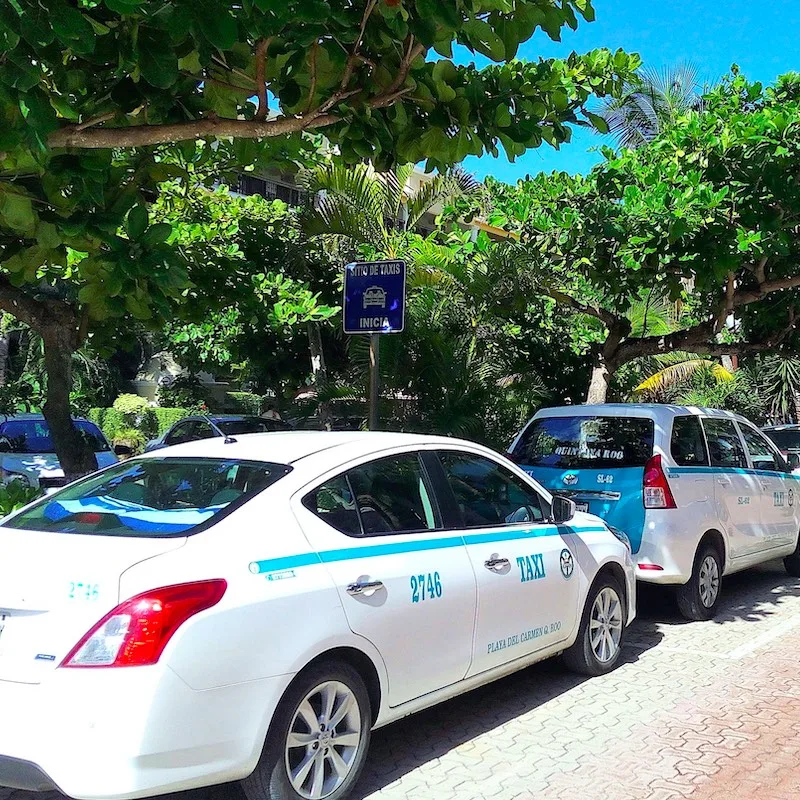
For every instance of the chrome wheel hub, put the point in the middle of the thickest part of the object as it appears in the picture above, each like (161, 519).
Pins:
(605, 625)
(323, 740)
(709, 581)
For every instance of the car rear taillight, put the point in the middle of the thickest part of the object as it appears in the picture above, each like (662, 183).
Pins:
(657, 493)
(135, 633)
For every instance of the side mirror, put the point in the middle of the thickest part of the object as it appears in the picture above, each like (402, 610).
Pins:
(563, 509)
(123, 450)
(792, 459)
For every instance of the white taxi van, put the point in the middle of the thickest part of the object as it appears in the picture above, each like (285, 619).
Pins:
(700, 493)
(250, 609)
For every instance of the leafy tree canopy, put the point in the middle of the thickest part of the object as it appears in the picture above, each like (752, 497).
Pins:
(123, 73)
(705, 215)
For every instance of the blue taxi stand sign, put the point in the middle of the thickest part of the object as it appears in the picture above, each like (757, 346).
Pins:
(375, 304)
(374, 296)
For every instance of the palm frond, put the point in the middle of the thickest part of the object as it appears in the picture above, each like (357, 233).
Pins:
(678, 373)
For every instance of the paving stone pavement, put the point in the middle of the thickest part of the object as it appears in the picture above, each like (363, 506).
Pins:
(707, 710)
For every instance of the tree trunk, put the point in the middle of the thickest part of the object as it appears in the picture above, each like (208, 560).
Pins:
(319, 372)
(75, 455)
(606, 363)
(598, 385)
(4, 344)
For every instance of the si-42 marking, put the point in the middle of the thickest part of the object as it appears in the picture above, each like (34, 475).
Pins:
(427, 586)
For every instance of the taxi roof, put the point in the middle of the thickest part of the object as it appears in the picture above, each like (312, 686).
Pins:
(288, 447)
(633, 410)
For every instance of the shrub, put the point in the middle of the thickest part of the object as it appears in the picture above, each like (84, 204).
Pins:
(130, 405)
(132, 437)
(185, 391)
(109, 420)
(14, 495)
(244, 402)
(166, 417)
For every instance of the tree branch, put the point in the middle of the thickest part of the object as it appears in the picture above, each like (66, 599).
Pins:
(609, 319)
(92, 121)
(146, 135)
(261, 78)
(352, 58)
(698, 339)
(765, 287)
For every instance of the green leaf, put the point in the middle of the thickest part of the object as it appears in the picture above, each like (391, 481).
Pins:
(136, 222)
(219, 27)
(599, 122)
(157, 60)
(16, 212)
(71, 27)
(156, 234)
(483, 38)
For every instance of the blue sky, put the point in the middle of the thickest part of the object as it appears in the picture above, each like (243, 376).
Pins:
(761, 36)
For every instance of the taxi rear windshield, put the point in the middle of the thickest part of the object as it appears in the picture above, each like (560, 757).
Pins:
(588, 442)
(152, 497)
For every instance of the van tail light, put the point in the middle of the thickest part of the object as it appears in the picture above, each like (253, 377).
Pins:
(135, 633)
(657, 493)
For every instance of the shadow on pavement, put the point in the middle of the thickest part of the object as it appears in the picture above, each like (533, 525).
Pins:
(752, 595)
(430, 734)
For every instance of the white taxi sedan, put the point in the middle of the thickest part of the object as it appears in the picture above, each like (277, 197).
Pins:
(251, 609)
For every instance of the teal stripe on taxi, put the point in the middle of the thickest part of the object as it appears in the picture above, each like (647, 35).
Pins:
(769, 473)
(396, 548)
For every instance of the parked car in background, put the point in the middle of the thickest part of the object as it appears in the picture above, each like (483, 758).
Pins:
(251, 609)
(700, 493)
(27, 452)
(787, 440)
(195, 428)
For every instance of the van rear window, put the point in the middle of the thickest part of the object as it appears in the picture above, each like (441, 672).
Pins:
(151, 497)
(590, 442)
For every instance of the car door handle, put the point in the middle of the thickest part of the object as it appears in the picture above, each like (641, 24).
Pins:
(723, 482)
(765, 487)
(366, 588)
(494, 563)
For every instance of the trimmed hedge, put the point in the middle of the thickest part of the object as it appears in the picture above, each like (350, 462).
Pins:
(151, 422)
(243, 403)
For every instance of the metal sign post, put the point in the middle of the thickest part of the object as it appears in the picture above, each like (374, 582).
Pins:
(374, 303)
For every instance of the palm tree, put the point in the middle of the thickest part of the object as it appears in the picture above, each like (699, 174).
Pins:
(781, 382)
(650, 102)
(676, 369)
(365, 207)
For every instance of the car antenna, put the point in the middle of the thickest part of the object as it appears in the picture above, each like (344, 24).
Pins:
(229, 440)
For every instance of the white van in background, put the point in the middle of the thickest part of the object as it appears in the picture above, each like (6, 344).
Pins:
(700, 493)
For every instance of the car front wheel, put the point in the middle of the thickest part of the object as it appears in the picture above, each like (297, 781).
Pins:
(598, 647)
(318, 739)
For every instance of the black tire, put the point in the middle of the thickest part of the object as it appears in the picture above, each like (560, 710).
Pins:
(792, 563)
(270, 779)
(580, 657)
(691, 603)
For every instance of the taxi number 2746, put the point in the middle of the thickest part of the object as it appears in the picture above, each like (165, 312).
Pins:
(427, 586)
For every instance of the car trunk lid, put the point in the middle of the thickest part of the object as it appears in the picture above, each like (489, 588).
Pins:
(53, 587)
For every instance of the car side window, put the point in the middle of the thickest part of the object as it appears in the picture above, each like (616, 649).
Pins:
(487, 493)
(334, 503)
(762, 454)
(688, 445)
(724, 445)
(390, 495)
(179, 434)
(202, 430)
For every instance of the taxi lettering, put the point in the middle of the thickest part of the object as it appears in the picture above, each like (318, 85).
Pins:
(531, 568)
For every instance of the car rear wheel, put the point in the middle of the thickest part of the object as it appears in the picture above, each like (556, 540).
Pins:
(698, 599)
(318, 740)
(598, 647)
(792, 563)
